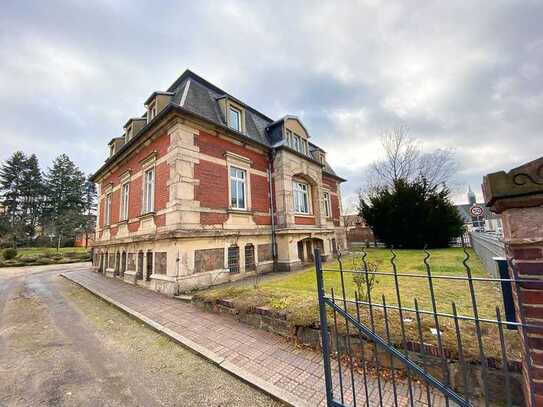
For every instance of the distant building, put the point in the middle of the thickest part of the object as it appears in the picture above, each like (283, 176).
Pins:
(487, 220)
(357, 229)
(84, 239)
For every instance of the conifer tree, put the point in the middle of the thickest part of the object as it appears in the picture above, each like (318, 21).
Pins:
(64, 198)
(12, 175)
(32, 190)
(89, 204)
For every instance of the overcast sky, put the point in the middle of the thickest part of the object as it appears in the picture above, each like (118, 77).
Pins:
(466, 75)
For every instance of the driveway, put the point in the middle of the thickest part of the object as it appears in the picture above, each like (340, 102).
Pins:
(61, 346)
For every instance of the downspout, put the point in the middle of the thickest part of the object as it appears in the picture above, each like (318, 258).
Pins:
(272, 212)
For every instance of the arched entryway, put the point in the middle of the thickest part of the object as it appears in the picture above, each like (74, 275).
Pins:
(306, 248)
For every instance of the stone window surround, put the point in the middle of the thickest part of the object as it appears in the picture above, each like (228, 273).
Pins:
(234, 111)
(291, 136)
(327, 199)
(152, 110)
(147, 164)
(310, 213)
(243, 163)
(124, 179)
(231, 104)
(108, 194)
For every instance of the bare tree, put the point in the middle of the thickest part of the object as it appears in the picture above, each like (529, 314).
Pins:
(405, 159)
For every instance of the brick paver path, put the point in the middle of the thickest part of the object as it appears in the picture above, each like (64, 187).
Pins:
(269, 361)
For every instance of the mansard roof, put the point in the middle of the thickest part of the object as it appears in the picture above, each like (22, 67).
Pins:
(199, 96)
(194, 94)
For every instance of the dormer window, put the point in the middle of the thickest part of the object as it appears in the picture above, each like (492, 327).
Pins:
(128, 135)
(152, 111)
(111, 149)
(234, 118)
(296, 142)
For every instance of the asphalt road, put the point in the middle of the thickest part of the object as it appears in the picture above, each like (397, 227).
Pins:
(61, 346)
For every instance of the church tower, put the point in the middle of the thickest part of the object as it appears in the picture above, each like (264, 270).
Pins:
(471, 196)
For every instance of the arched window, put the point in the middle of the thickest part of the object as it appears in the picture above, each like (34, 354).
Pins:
(250, 264)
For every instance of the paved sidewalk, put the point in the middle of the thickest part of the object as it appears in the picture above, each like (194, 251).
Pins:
(293, 375)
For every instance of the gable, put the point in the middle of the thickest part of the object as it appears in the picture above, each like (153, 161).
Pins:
(295, 125)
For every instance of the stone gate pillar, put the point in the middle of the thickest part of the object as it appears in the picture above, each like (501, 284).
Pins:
(518, 196)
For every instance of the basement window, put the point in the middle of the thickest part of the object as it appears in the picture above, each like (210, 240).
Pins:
(233, 259)
(250, 264)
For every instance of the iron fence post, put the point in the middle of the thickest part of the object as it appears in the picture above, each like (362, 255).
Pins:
(324, 330)
(507, 291)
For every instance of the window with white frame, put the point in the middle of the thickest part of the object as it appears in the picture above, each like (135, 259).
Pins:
(297, 143)
(238, 188)
(149, 190)
(327, 206)
(107, 217)
(301, 197)
(125, 191)
(289, 138)
(151, 112)
(234, 118)
(128, 135)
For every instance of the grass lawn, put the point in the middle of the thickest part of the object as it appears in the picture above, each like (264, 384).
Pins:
(296, 295)
(34, 256)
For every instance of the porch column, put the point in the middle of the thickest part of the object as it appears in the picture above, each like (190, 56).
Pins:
(518, 196)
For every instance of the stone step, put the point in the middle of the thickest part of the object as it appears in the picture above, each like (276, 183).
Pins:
(183, 297)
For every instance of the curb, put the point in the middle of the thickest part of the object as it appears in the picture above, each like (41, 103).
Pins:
(249, 378)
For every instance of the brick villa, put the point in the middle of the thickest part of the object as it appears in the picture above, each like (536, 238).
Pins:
(203, 189)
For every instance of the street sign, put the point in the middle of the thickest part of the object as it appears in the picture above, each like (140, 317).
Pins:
(476, 211)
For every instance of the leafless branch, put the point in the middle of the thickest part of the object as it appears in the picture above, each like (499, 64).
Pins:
(405, 159)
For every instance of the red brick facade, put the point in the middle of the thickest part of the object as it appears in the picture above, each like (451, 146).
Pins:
(330, 183)
(212, 188)
(260, 200)
(304, 220)
(217, 147)
(159, 146)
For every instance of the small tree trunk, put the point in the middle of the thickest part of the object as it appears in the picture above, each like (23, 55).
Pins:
(58, 242)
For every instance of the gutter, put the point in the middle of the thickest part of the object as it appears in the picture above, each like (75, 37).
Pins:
(272, 212)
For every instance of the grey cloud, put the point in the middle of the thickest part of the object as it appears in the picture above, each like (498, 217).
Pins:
(466, 76)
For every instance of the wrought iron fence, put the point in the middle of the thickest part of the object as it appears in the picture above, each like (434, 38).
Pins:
(440, 338)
